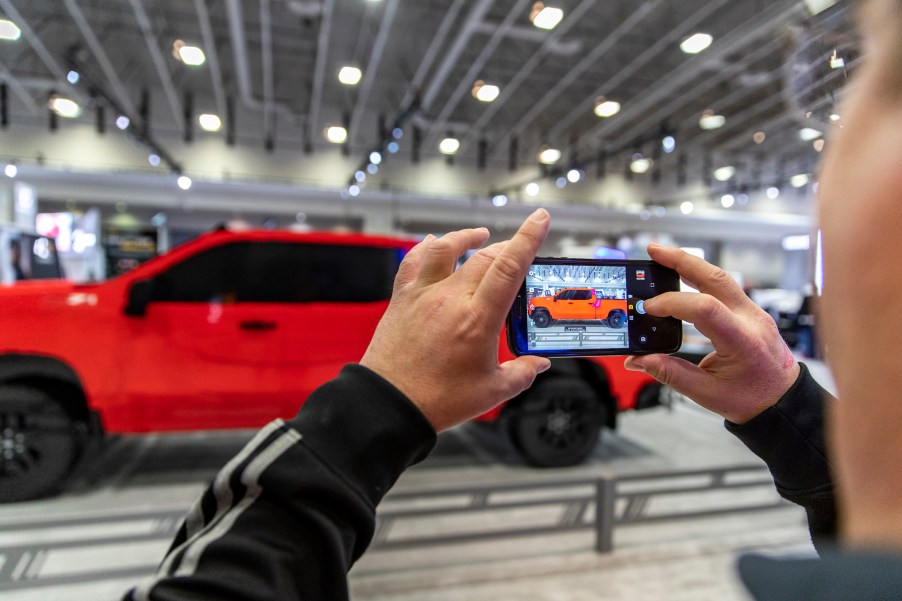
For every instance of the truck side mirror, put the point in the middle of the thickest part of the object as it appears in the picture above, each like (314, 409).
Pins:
(139, 296)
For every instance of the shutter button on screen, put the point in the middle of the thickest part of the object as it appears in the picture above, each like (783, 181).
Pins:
(640, 307)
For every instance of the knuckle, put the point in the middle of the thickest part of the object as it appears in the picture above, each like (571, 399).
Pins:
(507, 266)
(709, 308)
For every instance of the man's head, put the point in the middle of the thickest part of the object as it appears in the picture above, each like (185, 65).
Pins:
(860, 211)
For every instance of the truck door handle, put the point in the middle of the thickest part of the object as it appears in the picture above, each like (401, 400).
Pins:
(257, 325)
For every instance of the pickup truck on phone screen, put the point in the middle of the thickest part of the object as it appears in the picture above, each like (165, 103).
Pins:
(232, 330)
(579, 304)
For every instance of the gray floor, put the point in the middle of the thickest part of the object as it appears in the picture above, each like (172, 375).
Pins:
(95, 541)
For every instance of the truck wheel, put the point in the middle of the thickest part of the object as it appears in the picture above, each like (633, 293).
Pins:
(558, 424)
(38, 443)
(616, 319)
(542, 319)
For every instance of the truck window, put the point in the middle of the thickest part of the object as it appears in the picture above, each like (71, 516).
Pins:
(582, 295)
(277, 272)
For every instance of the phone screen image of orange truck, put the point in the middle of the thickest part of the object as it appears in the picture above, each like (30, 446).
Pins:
(577, 306)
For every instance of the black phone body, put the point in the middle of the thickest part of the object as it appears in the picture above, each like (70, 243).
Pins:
(581, 307)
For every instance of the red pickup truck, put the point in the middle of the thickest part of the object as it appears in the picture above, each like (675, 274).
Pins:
(231, 330)
(577, 304)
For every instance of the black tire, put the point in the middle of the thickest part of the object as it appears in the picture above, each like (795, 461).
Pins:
(559, 422)
(542, 318)
(616, 319)
(39, 443)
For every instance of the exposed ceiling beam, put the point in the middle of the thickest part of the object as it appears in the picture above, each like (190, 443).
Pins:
(159, 63)
(510, 87)
(372, 68)
(209, 41)
(438, 40)
(102, 58)
(268, 77)
(19, 89)
(473, 72)
(35, 42)
(319, 69)
(609, 87)
(612, 39)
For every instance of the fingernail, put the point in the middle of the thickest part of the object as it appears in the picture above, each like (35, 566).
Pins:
(429, 238)
(632, 365)
(654, 245)
(539, 215)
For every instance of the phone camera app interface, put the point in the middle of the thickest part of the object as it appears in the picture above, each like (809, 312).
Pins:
(576, 306)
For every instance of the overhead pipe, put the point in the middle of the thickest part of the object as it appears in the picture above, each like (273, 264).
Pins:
(319, 69)
(438, 40)
(268, 85)
(242, 70)
(209, 41)
(18, 88)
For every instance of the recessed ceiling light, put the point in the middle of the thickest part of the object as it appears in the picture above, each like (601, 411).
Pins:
(640, 164)
(574, 175)
(549, 156)
(758, 137)
(668, 143)
(686, 207)
(696, 43)
(9, 30)
(449, 145)
(184, 182)
(499, 200)
(605, 108)
(122, 122)
(190, 55)
(354, 190)
(710, 121)
(723, 174)
(807, 134)
(545, 17)
(10, 170)
(532, 189)
(485, 92)
(727, 200)
(798, 180)
(375, 157)
(64, 107)
(336, 134)
(350, 76)
(209, 122)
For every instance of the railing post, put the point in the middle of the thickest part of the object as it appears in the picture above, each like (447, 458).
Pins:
(605, 493)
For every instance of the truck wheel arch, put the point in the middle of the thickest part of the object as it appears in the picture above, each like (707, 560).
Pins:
(50, 375)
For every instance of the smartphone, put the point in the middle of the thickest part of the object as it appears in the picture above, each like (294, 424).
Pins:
(580, 307)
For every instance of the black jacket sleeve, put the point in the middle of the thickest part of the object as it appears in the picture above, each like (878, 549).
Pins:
(789, 437)
(288, 516)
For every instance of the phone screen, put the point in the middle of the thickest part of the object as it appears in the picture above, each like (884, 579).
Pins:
(577, 307)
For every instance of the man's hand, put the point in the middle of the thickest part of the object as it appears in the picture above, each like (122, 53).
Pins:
(751, 366)
(438, 340)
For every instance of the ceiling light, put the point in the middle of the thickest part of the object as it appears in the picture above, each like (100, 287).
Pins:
(561, 182)
(574, 175)
(668, 144)
(154, 160)
(499, 200)
(396, 133)
(209, 122)
(798, 180)
(532, 189)
(686, 207)
(759, 136)
(723, 174)
(818, 6)
(545, 17)
(710, 121)
(190, 55)
(606, 108)
(773, 192)
(10, 170)
(797, 242)
(350, 76)
(696, 43)
(73, 77)
(806, 134)
(354, 190)
(727, 200)
(64, 107)
(449, 145)
(485, 92)
(393, 147)
(359, 176)
(836, 62)
(835, 117)
(549, 156)
(9, 30)
(372, 169)
(336, 134)
(640, 164)
(375, 157)
(122, 122)
(184, 182)
(818, 145)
